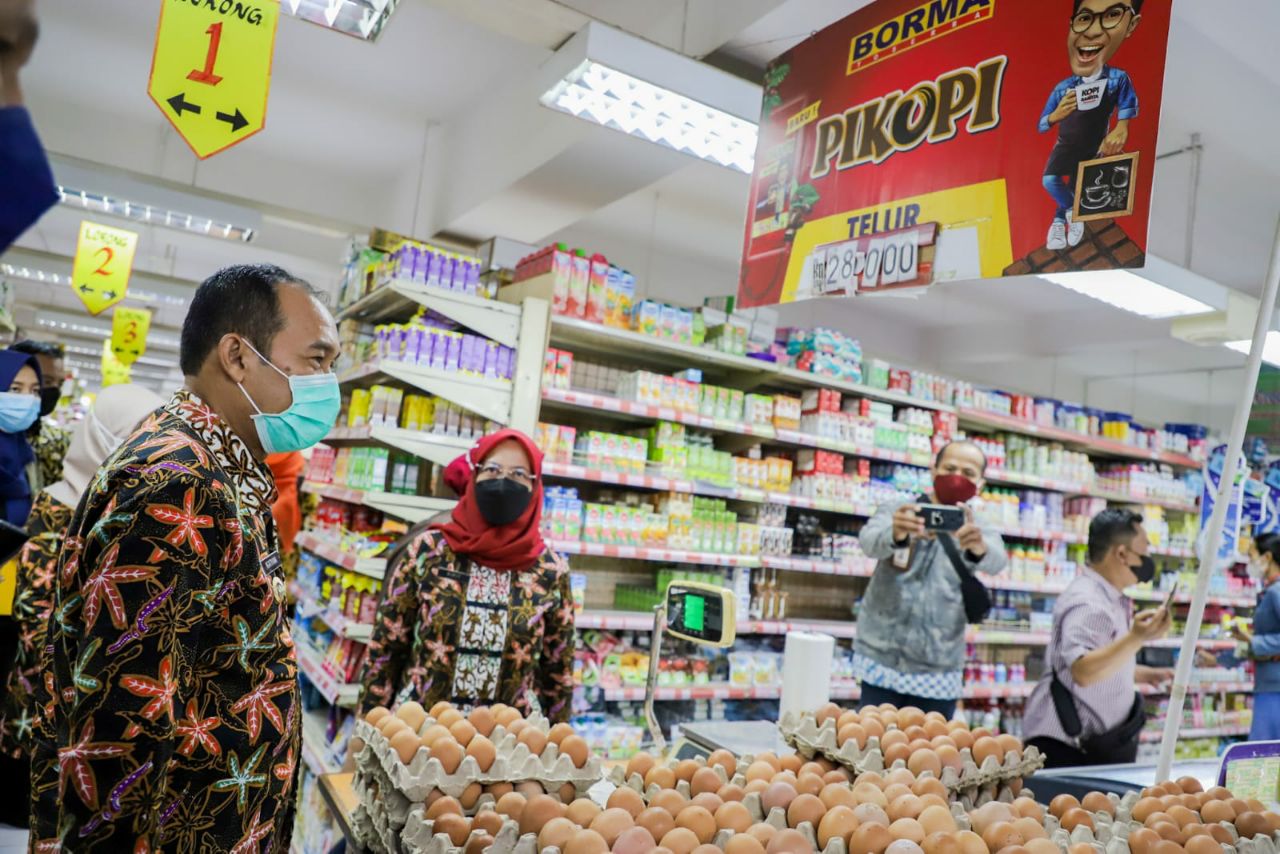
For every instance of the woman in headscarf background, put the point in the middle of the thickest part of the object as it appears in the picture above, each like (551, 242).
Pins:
(1263, 641)
(113, 416)
(19, 408)
(477, 610)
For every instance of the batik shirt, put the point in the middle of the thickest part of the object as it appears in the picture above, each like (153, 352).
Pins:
(450, 629)
(169, 714)
(50, 447)
(33, 597)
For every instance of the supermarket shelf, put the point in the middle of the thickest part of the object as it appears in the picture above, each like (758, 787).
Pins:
(1185, 599)
(335, 691)
(801, 379)
(979, 418)
(805, 440)
(1050, 484)
(1047, 536)
(313, 741)
(439, 449)
(309, 608)
(1154, 736)
(396, 298)
(573, 547)
(375, 567)
(857, 567)
(487, 397)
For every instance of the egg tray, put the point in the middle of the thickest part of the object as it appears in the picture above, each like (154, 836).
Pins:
(513, 763)
(803, 733)
(387, 812)
(1111, 834)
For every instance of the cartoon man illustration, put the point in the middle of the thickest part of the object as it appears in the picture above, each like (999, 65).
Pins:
(1082, 104)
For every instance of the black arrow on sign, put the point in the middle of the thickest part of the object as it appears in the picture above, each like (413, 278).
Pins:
(85, 289)
(237, 121)
(109, 294)
(180, 103)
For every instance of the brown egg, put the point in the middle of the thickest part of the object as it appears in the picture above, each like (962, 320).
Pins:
(1144, 808)
(929, 786)
(1239, 805)
(705, 780)
(871, 814)
(1030, 829)
(568, 793)
(508, 717)
(470, 795)
(1001, 835)
(1028, 808)
(539, 810)
(772, 759)
(811, 767)
(709, 801)
(657, 821)
(893, 737)
(1255, 805)
(904, 806)
(697, 819)
(873, 726)
(1062, 803)
(1168, 830)
(1166, 846)
(948, 757)
(1098, 802)
(499, 789)
(904, 846)
(777, 795)
(660, 776)
(984, 748)
(448, 717)
(1009, 744)
(870, 839)
(623, 798)
(611, 823)
(932, 800)
(575, 747)
(483, 751)
(838, 822)
(1203, 845)
(1182, 816)
(685, 769)
(1220, 834)
(511, 805)
(456, 827)
(743, 843)
(1159, 818)
(789, 842)
(899, 777)
(871, 777)
(992, 812)
(971, 843)
(440, 805)
(792, 762)
(827, 712)
(907, 828)
(809, 784)
(634, 840)
(556, 833)
(449, 753)
(963, 739)
(375, 715)
(925, 761)
(586, 842)
(733, 816)
(681, 840)
(1251, 824)
(835, 794)
(405, 743)
(559, 733)
(896, 753)
(731, 792)
(804, 808)
(639, 764)
(488, 821)
(530, 788)
(1074, 817)
(1141, 839)
(760, 770)
(432, 734)
(1216, 811)
(440, 708)
(1219, 793)
(944, 843)
(854, 732)
(836, 775)
(936, 819)
(870, 793)
(391, 725)
(1192, 829)
(725, 760)
(669, 800)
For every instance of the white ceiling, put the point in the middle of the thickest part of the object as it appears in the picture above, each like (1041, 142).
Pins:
(436, 127)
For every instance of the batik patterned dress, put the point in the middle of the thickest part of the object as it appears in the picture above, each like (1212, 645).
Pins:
(169, 714)
(450, 629)
(33, 598)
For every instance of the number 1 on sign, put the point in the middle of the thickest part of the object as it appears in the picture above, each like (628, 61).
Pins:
(206, 75)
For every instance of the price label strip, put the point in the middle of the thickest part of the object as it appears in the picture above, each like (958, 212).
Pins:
(876, 263)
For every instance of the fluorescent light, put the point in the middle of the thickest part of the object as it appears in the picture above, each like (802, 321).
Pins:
(612, 78)
(47, 277)
(1131, 293)
(152, 215)
(617, 100)
(85, 330)
(1270, 348)
(364, 19)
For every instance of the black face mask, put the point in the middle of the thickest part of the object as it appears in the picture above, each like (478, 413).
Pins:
(501, 501)
(49, 398)
(1144, 571)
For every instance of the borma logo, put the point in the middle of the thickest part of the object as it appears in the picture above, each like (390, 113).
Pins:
(923, 24)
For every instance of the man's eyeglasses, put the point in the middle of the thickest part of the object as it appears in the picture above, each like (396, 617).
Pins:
(1109, 18)
(493, 471)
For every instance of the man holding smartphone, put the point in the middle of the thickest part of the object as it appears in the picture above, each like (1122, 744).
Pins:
(910, 648)
(1085, 710)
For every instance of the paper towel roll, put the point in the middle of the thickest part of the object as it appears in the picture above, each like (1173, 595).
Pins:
(806, 672)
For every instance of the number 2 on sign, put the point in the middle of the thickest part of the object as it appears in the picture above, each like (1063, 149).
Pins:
(206, 75)
(102, 268)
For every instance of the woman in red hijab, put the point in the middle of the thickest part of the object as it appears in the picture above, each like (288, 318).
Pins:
(477, 610)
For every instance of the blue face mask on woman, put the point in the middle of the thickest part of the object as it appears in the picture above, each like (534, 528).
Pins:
(317, 401)
(18, 411)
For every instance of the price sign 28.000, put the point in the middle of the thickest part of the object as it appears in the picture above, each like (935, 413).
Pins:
(874, 263)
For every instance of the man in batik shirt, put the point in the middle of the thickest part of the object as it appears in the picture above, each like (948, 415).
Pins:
(169, 716)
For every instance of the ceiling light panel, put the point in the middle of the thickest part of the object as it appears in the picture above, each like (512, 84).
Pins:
(152, 215)
(1132, 293)
(364, 19)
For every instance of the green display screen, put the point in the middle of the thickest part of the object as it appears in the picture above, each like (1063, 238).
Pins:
(695, 609)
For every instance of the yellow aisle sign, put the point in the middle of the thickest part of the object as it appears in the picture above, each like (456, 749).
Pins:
(212, 68)
(114, 371)
(104, 257)
(129, 327)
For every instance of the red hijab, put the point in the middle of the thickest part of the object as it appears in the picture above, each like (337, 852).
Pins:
(516, 546)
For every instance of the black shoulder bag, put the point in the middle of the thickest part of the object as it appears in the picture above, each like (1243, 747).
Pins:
(977, 599)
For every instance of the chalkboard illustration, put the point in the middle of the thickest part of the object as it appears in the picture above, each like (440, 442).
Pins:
(1106, 187)
(1081, 107)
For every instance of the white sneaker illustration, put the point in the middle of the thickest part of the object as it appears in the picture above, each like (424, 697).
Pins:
(1057, 236)
(1075, 231)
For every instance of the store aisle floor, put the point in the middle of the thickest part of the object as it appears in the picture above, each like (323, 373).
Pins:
(12, 840)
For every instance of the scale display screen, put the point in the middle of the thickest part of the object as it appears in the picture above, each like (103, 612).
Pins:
(700, 613)
(1252, 770)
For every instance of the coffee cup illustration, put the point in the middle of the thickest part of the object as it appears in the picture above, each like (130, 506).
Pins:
(1089, 95)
